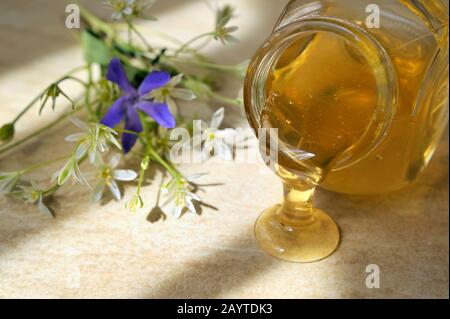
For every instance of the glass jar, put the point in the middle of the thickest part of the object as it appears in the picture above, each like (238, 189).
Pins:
(405, 45)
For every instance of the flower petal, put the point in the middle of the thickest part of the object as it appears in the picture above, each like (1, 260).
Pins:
(77, 122)
(127, 11)
(154, 80)
(116, 73)
(196, 176)
(125, 175)
(114, 188)
(8, 183)
(116, 112)
(43, 208)
(176, 80)
(183, 94)
(173, 107)
(132, 123)
(97, 192)
(159, 112)
(75, 137)
(217, 118)
(206, 150)
(176, 212)
(189, 205)
(80, 151)
(194, 196)
(117, 15)
(224, 151)
(114, 160)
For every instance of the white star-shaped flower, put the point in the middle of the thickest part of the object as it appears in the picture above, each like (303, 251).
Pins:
(215, 141)
(180, 196)
(107, 175)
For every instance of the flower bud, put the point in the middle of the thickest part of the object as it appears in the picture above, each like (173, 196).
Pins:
(7, 132)
(134, 203)
(145, 162)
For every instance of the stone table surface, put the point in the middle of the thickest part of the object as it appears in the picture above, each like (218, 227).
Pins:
(105, 251)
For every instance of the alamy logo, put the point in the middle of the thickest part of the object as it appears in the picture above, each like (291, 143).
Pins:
(373, 279)
(373, 19)
(73, 16)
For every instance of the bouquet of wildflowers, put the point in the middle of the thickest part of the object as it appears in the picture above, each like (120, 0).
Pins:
(129, 109)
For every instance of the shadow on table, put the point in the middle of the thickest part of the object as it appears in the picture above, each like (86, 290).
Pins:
(219, 272)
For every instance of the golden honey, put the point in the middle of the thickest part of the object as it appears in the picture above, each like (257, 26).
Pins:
(321, 102)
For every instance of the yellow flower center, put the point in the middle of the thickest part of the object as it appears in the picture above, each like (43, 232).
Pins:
(165, 92)
(106, 175)
(34, 195)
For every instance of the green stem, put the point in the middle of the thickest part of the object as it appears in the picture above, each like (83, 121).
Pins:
(28, 107)
(42, 164)
(141, 177)
(119, 130)
(209, 65)
(225, 99)
(130, 36)
(141, 37)
(95, 22)
(73, 79)
(51, 190)
(87, 96)
(150, 151)
(190, 42)
(8, 147)
(172, 170)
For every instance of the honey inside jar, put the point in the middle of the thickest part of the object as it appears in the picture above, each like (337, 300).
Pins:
(321, 96)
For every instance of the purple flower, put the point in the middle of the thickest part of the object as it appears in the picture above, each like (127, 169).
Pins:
(132, 101)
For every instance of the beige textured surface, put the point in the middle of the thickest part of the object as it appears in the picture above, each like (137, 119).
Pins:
(104, 251)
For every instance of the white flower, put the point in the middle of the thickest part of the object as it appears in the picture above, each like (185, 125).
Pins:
(94, 138)
(8, 182)
(179, 194)
(222, 30)
(107, 175)
(120, 7)
(34, 195)
(70, 169)
(129, 8)
(169, 93)
(214, 140)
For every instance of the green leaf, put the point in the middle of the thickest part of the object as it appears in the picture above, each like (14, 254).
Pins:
(95, 49)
